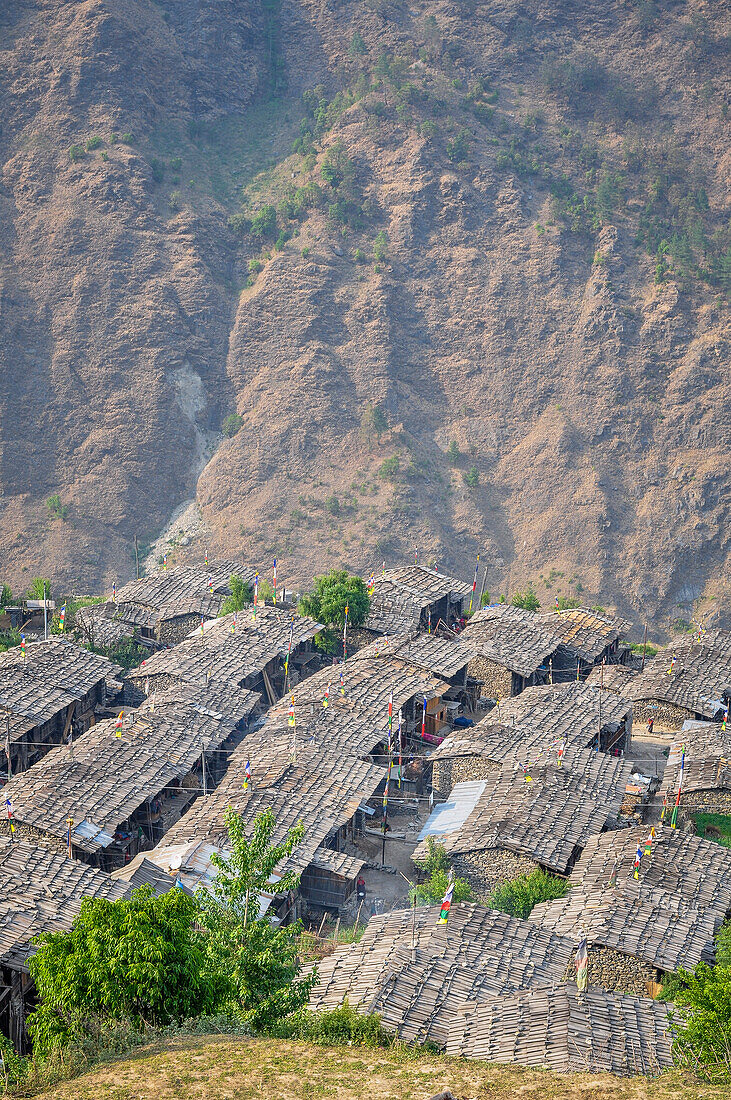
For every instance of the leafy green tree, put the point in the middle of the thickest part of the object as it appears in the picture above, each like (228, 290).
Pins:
(6, 595)
(241, 595)
(373, 422)
(260, 960)
(453, 452)
(565, 603)
(357, 46)
(519, 896)
(380, 247)
(141, 960)
(526, 599)
(471, 477)
(326, 603)
(233, 422)
(485, 599)
(436, 865)
(264, 222)
(40, 589)
(702, 1020)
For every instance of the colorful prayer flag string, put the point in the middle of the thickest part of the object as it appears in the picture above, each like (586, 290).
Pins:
(62, 618)
(247, 775)
(274, 579)
(9, 809)
(674, 817)
(118, 724)
(423, 719)
(582, 966)
(474, 584)
(446, 901)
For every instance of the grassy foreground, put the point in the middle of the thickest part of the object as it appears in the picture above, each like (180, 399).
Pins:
(224, 1068)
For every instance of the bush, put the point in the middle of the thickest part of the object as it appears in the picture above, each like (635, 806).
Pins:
(232, 423)
(453, 453)
(305, 252)
(390, 467)
(6, 595)
(357, 46)
(380, 247)
(519, 896)
(485, 599)
(565, 603)
(241, 595)
(458, 147)
(359, 256)
(335, 1027)
(702, 1021)
(255, 266)
(373, 421)
(332, 505)
(56, 508)
(127, 138)
(94, 143)
(471, 477)
(526, 599)
(264, 222)
(239, 223)
(76, 152)
(436, 866)
(176, 164)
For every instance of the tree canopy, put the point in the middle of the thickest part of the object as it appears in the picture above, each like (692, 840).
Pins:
(526, 599)
(326, 603)
(702, 1019)
(241, 595)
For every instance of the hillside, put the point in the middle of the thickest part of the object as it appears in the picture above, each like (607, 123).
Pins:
(506, 226)
(221, 1069)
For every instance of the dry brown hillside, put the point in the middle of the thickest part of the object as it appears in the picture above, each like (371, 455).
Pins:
(506, 227)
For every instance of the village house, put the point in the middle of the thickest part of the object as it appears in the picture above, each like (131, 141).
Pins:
(162, 608)
(41, 891)
(119, 787)
(240, 651)
(706, 780)
(531, 813)
(413, 598)
(586, 638)
(48, 693)
(415, 973)
(513, 650)
(577, 711)
(639, 929)
(686, 681)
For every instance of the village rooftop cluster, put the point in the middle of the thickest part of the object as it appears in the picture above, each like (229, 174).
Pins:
(516, 742)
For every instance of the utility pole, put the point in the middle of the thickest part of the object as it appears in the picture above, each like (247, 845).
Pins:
(203, 767)
(482, 588)
(601, 691)
(644, 648)
(137, 559)
(45, 615)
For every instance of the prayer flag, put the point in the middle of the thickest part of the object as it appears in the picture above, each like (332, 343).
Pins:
(62, 617)
(383, 569)
(114, 591)
(274, 578)
(446, 902)
(118, 724)
(673, 659)
(636, 865)
(291, 717)
(725, 719)
(557, 607)
(22, 645)
(400, 749)
(474, 582)
(247, 775)
(648, 842)
(423, 719)
(164, 561)
(345, 634)
(202, 624)
(69, 823)
(326, 700)
(674, 817)
(210, 583)
(390, 720)
(371, 584)
(561, 751)
(582, 966)
(429, 627)
(9, 808)
(416, 556)
(342, 683)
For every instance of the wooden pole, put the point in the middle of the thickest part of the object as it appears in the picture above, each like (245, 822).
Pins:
(137, 559)
(644, 648)
(482, 589)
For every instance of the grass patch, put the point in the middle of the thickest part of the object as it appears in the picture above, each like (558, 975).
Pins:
(714, 827)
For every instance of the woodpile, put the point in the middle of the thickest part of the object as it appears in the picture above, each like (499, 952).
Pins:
(612, 970)
(497, 681)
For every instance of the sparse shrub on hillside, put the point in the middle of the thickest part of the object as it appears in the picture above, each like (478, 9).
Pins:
(357, 46)
(56, 508)
(239, 223)
(305, 252)
(526, 598)
(264, 222)
(176, 164)
(428, 129)
(6, 595)
(453, 452)
(127, 138)
(157, 167)
(359, 256)
(231, 424)
(390, 467)
(565, 603)
(332, 505)
(519, 896)
(373, 422)
(255, 266)
(113, 138)
(94, 143)
(471, 477)
(175, 200)
(380, 247)
(76, 153)
(458, 147)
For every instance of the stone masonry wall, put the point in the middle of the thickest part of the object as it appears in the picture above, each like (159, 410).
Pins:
(614, 971)
(491, 868)
(445, 773)
(667, 715)
(33, 836)
(497, 682)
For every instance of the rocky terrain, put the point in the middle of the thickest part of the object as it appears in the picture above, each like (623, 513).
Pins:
(505, 229)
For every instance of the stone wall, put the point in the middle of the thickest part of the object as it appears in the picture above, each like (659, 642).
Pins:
(134, 687)
(460, 769)
(497, 681)
(491, 868)
(33, 836)
(702, 802)
(172, 631)
(619, 973)
(667, 716)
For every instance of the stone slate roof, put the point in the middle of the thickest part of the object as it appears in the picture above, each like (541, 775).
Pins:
(556, 1029)
(702, 671)
(102, 779)
(481, 953)
(169, 586)
(53, 675)
(616, 678)
(585, 633)
(546, 818)
(400, 595)
(707, 761)
(668, 916)
(229, 649)
(443, 657)
(41, 891)
(564, 710)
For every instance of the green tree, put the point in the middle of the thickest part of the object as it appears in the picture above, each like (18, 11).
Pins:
(436, 866)
(519, 896)
(56, 508)
(357, 46)
(241, 595)
(326, 603)
(380, 247)
(141, 960)
(471, 477)
(526, 599)
(40, 588)
(260, 960)
(565, 603)
(6, 595)
(264, 222)
(702, 1020)
(453, 452)
(485, 599)
(233, 422)
(373, 422)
